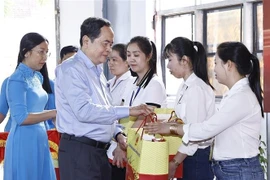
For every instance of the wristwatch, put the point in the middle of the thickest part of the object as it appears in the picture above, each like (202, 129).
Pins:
(118, 134)
(175, 162)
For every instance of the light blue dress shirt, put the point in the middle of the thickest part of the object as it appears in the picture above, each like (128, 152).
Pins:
(83, 101)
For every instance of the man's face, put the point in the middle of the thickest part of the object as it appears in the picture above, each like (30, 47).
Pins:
(101, 47)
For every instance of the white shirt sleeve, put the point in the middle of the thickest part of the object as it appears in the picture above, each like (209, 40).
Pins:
(189, 149)
(233, 110)
(155, 93)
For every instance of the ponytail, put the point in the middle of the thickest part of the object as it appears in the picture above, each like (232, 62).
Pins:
(46, 81)
(20, 57)
(254, 80)
(200, 63)
(152, 64)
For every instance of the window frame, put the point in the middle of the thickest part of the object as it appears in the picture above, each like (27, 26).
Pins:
(163, 40)
(200, 26)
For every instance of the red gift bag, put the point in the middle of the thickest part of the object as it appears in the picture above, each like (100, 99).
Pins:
(53, 138)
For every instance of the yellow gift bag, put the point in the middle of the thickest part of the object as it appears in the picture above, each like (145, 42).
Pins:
(147, 159)
(127, 122)
(168, 115)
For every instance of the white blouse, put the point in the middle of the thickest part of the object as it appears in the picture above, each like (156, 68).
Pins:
(117, 89)
(195, 103)
(236, 125)
(154, 92)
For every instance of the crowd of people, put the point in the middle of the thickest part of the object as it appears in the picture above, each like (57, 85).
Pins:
(85, 107)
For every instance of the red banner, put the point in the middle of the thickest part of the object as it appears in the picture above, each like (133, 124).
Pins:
(266, 54)
(53, 137)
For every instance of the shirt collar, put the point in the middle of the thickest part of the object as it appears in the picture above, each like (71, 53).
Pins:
(236, 87)
(125, 76)
(190, 79)
(88, 62)
(26, 69)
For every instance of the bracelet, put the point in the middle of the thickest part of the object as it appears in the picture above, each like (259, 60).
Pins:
(173, 129)
(175, 162)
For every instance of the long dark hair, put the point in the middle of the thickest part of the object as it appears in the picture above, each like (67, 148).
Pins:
(149, 49)
(28, 42)
(182, 46)
(246, 64)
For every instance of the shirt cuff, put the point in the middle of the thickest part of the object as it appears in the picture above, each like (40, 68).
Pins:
(117, 130)
(122, 111)
(188, 149)
(185, 138)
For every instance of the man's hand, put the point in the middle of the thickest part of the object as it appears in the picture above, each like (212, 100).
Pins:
(122, 142)
(142, 109)
(120, 157)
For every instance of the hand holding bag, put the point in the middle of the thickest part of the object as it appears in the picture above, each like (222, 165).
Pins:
(174, 141)
(147, 159)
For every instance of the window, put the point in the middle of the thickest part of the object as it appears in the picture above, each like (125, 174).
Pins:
(213, 22)
(169, 4)
(258, 35)
(207, 1)
(174, 26)
(221, 25)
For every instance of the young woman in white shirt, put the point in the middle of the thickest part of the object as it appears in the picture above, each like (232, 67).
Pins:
(236, 126)
(195, 102)
(118, 67)
(147, 88)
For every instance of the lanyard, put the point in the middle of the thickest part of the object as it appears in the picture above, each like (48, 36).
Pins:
(132, 99)
(184, 88)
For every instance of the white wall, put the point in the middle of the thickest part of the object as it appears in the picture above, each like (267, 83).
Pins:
(72, 15)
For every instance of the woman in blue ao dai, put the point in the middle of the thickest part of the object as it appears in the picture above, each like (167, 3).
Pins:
(27, 155)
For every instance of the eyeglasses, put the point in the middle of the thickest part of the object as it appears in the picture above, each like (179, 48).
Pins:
(42, 53)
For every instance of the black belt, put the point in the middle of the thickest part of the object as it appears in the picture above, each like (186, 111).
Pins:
(88, 141)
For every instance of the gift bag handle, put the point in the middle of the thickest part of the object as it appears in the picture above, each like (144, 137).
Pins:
(152, 117)
(171, 117)
(176, 119)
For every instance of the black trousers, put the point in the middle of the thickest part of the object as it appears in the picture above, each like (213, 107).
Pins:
(80, 161)
(118, 173)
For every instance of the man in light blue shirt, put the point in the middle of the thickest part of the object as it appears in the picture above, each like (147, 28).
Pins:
(85, 117)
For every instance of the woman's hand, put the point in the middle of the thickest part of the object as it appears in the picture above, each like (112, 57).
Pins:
(172, 169)
(157, 128)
